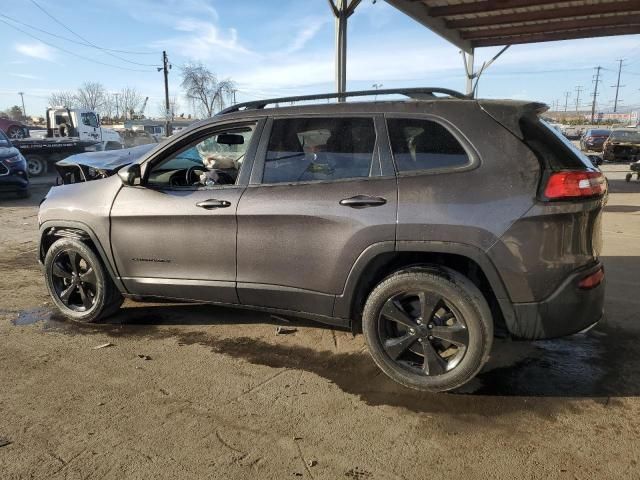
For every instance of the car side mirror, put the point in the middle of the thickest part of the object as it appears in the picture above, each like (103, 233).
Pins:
(130, 174)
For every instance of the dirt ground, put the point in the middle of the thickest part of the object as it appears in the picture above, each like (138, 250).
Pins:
(219, 395)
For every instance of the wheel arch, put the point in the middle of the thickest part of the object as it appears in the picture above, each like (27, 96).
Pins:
(52, 230)
(383, 259)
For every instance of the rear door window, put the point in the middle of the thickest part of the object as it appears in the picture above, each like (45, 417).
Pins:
(319, 149)
(420, 144)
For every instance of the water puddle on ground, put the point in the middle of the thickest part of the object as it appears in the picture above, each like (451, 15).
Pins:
(32, 316)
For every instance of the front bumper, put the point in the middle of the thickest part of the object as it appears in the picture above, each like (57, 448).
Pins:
(14, 181)
(568, 310)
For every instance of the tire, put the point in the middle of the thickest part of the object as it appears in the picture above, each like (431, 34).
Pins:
(36, 165)
(15, 132)
(79, 283)
(628, 177)
(457, 310)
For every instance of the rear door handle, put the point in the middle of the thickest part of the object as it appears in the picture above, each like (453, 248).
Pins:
(212, 204)
(363, 201)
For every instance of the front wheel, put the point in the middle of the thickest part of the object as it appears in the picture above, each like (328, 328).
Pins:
(428, 328)
(78, 282)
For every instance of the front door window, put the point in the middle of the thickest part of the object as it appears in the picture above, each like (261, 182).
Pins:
(213, 160)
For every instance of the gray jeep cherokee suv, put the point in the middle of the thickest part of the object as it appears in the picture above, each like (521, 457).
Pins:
(429, 222)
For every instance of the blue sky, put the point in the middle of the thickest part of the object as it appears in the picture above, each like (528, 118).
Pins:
(279, 47)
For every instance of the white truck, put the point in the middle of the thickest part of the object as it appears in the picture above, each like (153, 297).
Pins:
(69, 131)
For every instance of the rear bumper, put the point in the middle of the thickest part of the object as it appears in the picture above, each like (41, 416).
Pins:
(566, 311)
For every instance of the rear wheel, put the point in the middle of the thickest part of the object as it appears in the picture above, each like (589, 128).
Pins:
(428, 329)
(78, 282)
(628, 177)
(36, 165)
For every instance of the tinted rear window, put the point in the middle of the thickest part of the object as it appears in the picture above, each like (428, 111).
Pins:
(551, 147)
(419, 144)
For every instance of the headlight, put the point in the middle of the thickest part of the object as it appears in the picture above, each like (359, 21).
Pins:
(12, 160)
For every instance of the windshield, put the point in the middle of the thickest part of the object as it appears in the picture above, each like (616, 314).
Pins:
(4, 141)
(600, 132)
(625, 136)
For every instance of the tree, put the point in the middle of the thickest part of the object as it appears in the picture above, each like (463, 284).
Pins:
(15, 113)
(91, 95)
(204, 89)
(63, 98)
(129, 101)
(174, 106)
(108, 108)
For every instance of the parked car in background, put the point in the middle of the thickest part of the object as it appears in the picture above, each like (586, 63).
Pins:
(13, 128)
(427, 224)
(571, 132)
(622, 145)
(13, 169)
(593, 139)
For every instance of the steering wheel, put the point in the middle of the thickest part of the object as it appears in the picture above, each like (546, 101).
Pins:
(190, 173)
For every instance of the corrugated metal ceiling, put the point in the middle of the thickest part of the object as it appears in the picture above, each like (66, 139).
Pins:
(484, 23)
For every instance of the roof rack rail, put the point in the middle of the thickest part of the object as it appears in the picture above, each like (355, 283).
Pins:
(414, 93)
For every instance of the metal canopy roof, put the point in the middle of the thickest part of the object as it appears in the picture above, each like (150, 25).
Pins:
(485, 23)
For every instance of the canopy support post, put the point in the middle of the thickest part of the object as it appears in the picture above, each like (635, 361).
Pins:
(342, 10)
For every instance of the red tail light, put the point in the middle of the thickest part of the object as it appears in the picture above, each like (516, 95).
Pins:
(575, 184)
(592, 280)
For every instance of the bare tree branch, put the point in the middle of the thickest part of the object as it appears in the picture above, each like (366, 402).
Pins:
(203, 88)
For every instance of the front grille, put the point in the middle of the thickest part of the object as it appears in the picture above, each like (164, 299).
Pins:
(3, 169)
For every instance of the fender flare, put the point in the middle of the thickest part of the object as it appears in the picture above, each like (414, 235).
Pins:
(94, 238)
(343, 302)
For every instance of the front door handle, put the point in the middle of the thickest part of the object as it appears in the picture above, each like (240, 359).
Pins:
(363, 201)
(212, 204)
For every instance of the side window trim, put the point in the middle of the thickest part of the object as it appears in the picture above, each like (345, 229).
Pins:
(380, 155)
(474, 157)
(201, 133)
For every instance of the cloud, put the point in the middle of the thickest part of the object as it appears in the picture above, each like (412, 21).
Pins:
(36, 50)
(203, 40)
(24, 75)
(309, 27)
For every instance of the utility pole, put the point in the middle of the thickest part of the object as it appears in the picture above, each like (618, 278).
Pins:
(233, 92)
(579, 89)
(617, 85)
(596, 81)
(165, 69)
(376, 86)
(566, 100)
(117, 105)
(24, 113)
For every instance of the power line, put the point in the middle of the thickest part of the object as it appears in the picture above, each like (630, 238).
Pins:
(70, 52)
(88, 41)
(61, 37)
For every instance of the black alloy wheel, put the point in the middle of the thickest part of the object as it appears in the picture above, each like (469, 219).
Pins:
(423, 332)
(78, 281)
(428, 328)
(74, 280)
